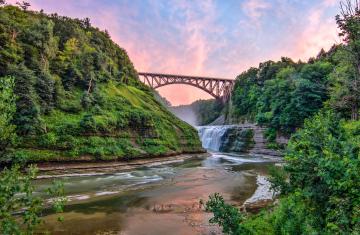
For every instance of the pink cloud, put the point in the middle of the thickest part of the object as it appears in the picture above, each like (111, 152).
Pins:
(331, 2)
(255, 9)
(188, 58)
(187, 45)
(320, 33)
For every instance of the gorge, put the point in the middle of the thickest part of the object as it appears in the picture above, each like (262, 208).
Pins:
(87, 146)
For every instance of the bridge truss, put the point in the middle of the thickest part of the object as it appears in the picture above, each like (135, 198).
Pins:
(219, 88)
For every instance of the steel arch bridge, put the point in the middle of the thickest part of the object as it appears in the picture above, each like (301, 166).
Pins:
(219, 88)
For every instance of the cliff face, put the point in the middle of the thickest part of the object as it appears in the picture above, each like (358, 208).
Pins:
(237, 139)
(246, 138)
(241, 138)
(78, 94)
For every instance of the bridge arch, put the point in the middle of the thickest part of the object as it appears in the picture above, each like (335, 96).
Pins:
(219, 88)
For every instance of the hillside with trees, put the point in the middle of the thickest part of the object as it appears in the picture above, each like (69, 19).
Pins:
(70, 93)
(281, 95)
(318, 104)
(204, 112)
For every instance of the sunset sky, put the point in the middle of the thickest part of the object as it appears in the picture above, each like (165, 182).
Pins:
(210, 38)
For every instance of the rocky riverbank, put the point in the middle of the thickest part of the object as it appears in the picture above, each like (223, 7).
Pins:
(66, 169)
(262, 197)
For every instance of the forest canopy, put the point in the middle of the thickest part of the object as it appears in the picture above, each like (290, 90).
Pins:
(76, 93)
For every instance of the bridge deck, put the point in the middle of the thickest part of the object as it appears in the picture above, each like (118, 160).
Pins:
(219, 88)
(185, 76)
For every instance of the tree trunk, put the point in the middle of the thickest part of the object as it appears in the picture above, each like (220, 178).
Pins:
(355, 112)
(90, 83)
(13, 35)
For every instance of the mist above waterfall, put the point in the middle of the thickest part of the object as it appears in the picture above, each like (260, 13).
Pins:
(185, 113)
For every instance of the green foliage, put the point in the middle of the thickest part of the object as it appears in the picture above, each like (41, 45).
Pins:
(227, 216)
(270, 134)
(206, 111)
(20, 209)
(319, 184)
(41, 47)
(320, 181)
(345, 88)
(26, 117)
(332, 188)
(45, 88)
(237, 140)
(349, 24)
(281, 95)
(7, 110)
(79, 94)
(88, 124)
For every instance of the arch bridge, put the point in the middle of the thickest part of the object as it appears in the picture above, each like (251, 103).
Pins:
(219, 88)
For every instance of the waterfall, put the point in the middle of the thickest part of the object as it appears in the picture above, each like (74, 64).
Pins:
(210, 136)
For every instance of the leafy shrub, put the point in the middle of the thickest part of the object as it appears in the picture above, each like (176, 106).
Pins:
(270, 134)
(17, 194)
(88, 124)
(225, 215)
(48, 140)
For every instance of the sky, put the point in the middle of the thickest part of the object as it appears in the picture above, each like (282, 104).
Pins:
(214, 38)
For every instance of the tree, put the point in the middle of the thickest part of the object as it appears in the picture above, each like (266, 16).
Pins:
(344, 94)
(246, 93)
(274, 99)
(43, 44)
(7, 111)
(88, 124)
(23, 5)
(17, 197)
(309, 94)
(45, 88)
(225, 215)
(86, 23)
(2, 2)
(323, 165)
(349, 24)
(26, 117)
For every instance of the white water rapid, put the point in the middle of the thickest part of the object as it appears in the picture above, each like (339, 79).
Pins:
(210, 136)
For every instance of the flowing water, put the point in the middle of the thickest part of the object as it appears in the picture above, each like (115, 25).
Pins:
(158, 198)
(211, 136)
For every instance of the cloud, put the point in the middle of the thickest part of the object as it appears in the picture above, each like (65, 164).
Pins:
(255, 9)
(329, 3)
(319, 31)
(210, 37)
(184, 49)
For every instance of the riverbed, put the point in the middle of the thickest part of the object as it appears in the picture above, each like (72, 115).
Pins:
(159, 198)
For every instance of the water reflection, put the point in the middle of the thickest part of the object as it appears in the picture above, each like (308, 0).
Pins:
(157, 199)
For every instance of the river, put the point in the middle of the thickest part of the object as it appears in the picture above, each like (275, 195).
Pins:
(161, 198)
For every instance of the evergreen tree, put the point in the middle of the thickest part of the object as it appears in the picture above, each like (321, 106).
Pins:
(7, 111)
(45, 88)
(26, 117)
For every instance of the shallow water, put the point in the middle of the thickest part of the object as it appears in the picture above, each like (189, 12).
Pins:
(156, 199)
